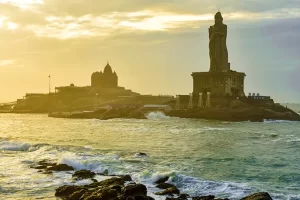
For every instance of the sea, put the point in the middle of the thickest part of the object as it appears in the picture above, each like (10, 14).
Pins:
(201, 157)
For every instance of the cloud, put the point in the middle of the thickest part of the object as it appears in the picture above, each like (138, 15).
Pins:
(88, 18)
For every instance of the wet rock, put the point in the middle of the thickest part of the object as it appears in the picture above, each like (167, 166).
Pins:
(107, 183)
(77, 195)
(126, 178)
(180, 197)
(61, 167)
(222, 199)
(103, 194)
(164, 185)
(39, 167)
(94, 180)
(67, 190)
(83, 174)
(116, 187)
(85, 195)
(140, 197)
(210, 197)
(258, 196)
(169, 191)
(138, 155)
(162, 180)
(134, 190)
(43, 164)
(137, 114)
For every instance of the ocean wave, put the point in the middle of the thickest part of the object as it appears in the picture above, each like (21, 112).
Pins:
(86, 162)
(16, 146)
(157, 115)
(193, 186)
(278, 121)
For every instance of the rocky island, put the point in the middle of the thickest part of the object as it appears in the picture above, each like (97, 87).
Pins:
(218, 94)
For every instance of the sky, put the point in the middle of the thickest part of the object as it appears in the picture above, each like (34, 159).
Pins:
(153, 45)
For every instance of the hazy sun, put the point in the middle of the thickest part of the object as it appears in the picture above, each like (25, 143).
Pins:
(22, 3)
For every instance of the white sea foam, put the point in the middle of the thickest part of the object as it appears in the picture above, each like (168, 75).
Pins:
(15, 146)
(277, 121)
(84, 162)
(157, 115)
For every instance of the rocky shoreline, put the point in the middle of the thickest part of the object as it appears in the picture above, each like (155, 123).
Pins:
(253, 114)
(102, 114)
(119, 187)
(237, 115)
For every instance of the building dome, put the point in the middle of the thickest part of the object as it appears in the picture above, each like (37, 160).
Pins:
(108, 69)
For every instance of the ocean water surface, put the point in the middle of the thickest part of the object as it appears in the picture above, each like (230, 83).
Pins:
(201, 157)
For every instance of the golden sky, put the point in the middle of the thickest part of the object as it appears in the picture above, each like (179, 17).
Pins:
(153, 45)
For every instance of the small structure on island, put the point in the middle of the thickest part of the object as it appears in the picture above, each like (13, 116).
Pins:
(220, 80)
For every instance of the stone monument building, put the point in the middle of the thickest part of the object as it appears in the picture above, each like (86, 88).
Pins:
(220, 80)
(105, 79)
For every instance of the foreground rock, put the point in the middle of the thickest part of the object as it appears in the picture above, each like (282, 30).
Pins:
(162, 180)
(169, 191)
(84, 174)
(61, 167)
(115, 188)
(110, 189)
(47, 167)
(258, 196)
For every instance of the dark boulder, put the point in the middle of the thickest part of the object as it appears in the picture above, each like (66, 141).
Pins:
(126, 177)
(140, 154)
(61, 167)
(77, 195)
(139, 197)
(83, 174)
(162, 180)
(210, 197)
(181, 197)
(67, 190)
(164, 185)
(169, 191)
(103, 194)
(134, 190)
(38, 167)
(107, 183)
(258, 196)
(137, 114)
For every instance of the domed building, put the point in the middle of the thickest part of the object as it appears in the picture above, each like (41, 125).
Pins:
(105, 79)
(103, 83)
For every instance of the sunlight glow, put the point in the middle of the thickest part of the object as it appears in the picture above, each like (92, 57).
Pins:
(6, 62)
(12, 26)
(24, 4)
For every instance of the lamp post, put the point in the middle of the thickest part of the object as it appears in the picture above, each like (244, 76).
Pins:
(49, 84)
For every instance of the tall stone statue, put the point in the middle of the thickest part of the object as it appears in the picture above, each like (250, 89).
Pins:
(217, 45)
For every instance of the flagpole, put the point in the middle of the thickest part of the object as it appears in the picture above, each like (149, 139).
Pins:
(49, 83)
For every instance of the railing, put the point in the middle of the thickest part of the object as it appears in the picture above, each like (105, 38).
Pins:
(8, 103)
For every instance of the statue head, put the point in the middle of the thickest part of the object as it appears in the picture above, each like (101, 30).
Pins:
(218, 18)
